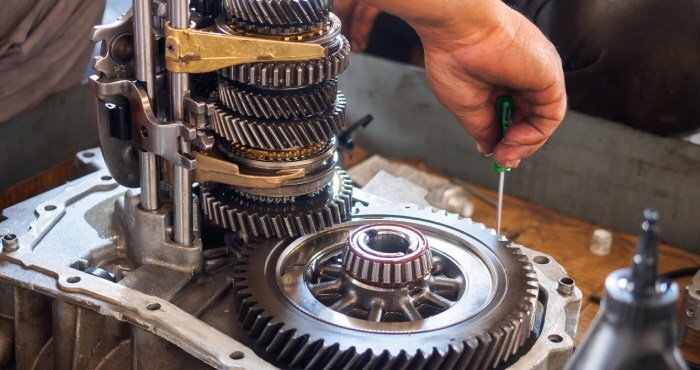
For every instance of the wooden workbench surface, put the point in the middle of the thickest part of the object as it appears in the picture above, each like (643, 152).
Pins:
(566, 239)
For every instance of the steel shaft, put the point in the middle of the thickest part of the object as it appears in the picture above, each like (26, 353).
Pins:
(143, 43)
(182, 179)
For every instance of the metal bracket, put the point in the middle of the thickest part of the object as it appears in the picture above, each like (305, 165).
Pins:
(195, 51)
(115, 38)
(197, 112)
(151, 134)
(218, 170)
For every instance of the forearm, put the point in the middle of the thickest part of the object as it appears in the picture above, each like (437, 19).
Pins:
(441, 20)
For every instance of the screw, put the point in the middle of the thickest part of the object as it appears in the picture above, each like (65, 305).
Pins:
(10, 243)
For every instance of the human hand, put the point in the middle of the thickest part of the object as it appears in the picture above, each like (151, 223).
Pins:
(358, 21)
(479, 50)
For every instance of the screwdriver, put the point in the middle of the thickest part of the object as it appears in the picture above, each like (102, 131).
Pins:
(504, 111)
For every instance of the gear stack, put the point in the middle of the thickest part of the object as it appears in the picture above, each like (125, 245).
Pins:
(275, 117)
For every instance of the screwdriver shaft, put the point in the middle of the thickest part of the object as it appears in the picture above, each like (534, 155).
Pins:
(499, 207)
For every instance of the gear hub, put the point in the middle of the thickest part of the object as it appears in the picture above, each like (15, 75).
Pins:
(387, 255)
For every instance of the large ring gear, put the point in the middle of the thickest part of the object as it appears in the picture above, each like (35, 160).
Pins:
(307, 307)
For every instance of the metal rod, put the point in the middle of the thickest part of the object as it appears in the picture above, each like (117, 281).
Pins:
(143, 43)
(179, 16)
(499, 207)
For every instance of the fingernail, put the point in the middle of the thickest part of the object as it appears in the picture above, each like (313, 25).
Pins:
(511, 164)
(478, 148)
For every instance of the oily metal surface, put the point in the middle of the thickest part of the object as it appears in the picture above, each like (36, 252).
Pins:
(295, 74)
(279, 134)
(307, 215)
(308, 186)
(279, 13)
(298, 331)
(290, 104)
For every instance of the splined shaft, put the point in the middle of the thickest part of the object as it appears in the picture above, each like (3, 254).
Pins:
(271, 117)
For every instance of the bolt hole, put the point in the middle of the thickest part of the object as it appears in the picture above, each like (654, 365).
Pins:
(171, 48)
(144, 131)
(73, 279)
(555, 338)
(88, 154)
(566, 281)
(106, 178)
(690, 313)
(541, 260)
(237, 355)
(50, 207)
(10, 237)
(153, 306)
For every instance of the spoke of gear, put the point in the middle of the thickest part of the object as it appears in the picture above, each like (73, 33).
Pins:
(280, 13)
(279, 135)
(297, 339)
(278, 105)
(297, 74)
(307, 215)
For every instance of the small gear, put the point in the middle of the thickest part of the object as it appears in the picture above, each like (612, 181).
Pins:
(280, 13)
(279, 135)
(295, 155)
(295, 330)
(295, 74)
(287, 105)
(307, 215)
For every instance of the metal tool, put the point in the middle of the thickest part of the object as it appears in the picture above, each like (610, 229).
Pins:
(504, 111)
(635, 327)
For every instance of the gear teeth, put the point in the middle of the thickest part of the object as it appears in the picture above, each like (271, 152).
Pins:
(269, 333)
(279, 135)
(274, 220)
(278, 343)
(484, 351)
(280, 13)
(308, 102)
(296, 74)
(302, 354)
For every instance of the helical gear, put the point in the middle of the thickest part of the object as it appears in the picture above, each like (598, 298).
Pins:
(285, 105)
(280, 13)
(279, 134)
(294, 74)
(293, 338)
(308, 214)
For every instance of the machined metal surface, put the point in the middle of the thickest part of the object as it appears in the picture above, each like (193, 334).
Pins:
(290, 104)
(300, 74)
(307, 215)
(281, 284)
(279, 12)
(279, 134)
(388, 255)
(145, 72)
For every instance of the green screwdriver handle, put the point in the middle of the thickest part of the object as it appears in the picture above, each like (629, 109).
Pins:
(504, 111)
